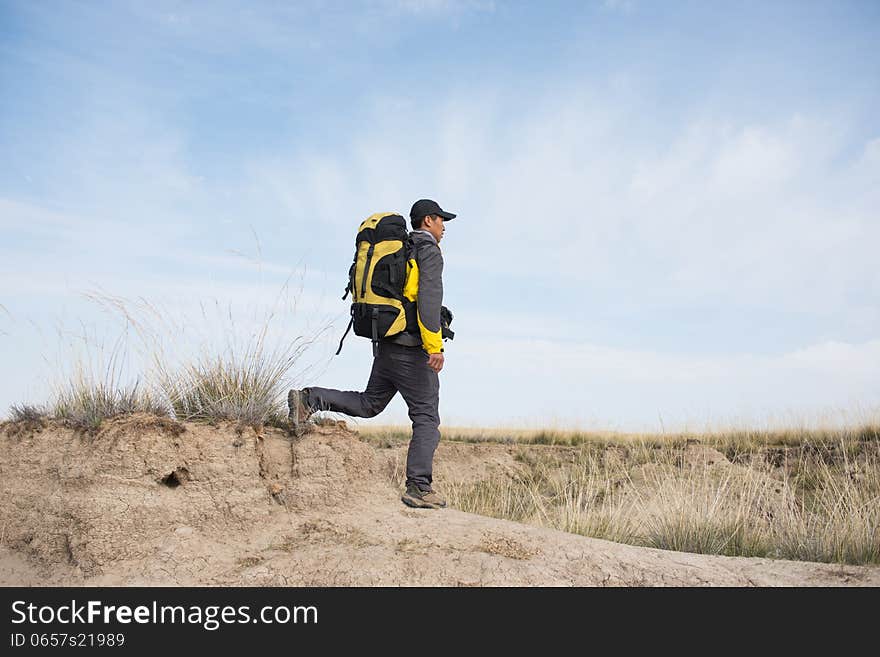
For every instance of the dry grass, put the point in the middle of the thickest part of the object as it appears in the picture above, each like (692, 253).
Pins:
(85, 405)
(248, 386)
(244, 379)
(28, 413)
(728, 440)
(240, 373)
(804, 495)
(90, 390)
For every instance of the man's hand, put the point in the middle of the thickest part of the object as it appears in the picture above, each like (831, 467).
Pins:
(435, 362)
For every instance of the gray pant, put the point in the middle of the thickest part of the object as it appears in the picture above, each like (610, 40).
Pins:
(404, 369)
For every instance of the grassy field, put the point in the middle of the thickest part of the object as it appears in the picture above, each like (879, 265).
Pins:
(805, 494)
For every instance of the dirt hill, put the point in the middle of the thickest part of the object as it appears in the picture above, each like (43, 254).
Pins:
(148, 501)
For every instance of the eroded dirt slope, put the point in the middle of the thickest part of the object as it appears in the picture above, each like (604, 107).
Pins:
(153, 502)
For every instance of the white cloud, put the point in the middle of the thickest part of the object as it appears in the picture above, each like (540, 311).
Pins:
(746, 215)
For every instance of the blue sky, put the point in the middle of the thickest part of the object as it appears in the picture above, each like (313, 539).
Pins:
(666, 210)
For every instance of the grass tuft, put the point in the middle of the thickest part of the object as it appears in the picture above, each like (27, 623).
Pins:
(83, 405)
(28, 413)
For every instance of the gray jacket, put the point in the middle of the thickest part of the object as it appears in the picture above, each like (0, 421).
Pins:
(429, 260)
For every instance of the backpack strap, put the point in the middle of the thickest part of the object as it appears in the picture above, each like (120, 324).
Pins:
(350, 324)
(351, 270)
(375, 322)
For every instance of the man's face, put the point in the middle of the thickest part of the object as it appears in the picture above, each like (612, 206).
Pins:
(434, 225)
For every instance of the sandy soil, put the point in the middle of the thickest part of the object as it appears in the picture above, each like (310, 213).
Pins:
(153, 502)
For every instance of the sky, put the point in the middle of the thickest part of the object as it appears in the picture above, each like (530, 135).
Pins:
(668, 213)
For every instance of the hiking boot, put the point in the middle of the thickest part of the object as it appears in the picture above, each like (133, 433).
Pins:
(298, 405)
(422, 499)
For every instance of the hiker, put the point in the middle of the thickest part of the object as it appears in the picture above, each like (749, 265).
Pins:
(406, 361)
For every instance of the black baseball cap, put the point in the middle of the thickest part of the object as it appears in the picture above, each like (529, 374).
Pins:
(424, 207)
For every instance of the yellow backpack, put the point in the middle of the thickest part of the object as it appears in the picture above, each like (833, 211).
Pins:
(380, 280)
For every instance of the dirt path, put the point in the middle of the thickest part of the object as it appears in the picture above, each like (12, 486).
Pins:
(144, 503)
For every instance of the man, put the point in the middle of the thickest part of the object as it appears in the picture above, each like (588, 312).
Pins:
(408, 363)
